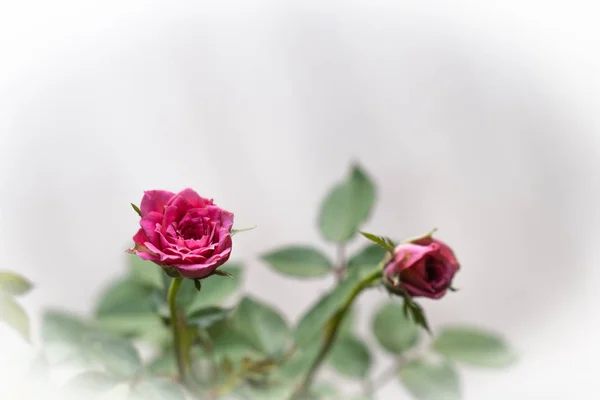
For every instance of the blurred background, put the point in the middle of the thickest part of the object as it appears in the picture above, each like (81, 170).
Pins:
(479, 118)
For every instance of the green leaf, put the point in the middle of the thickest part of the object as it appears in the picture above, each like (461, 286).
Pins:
(474, 347)
(215, 289)
(348, 323)
(91, 384)
(325, 391)
(313, 321)
(146, 272)
(385, 242)
(116, 355)
(236, 231)
(13, 314)
(367, 258)
(14, 284)
(264, 327)
(346, 207)
(198, 284)
(271, 392)
(393, 331)
(136, 209)
(126, 308)
(206, 317)
(125, 297)
(163, 364)
(234, 346)
(299, 261)
(427, 380)
(415, 312)
(350, 357)
(63, 335)
(157, 389)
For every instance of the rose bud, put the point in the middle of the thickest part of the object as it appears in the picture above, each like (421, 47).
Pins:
(183, 231)
(423, 267)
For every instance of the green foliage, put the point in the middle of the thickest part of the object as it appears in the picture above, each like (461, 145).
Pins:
(393, 331)
(313, 321)
(474, 347)
(157, 389)
(299, 262)
(14, 284)
(206, 317)
(262, 325)
(116, 355)
(217, 289)
(146, 273)
(350, 357)
(385, 242)
(13, 314)
(367, 258)
(346, 207)
(136, 209)
(247, 350)
(427, 380)
(415, 312)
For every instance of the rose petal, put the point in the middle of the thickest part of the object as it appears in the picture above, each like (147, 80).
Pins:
(154, 200)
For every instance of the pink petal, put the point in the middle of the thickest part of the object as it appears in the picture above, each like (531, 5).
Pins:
(155, 200)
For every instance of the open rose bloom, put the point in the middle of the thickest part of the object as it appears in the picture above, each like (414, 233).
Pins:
(184, 231)
(423, 267)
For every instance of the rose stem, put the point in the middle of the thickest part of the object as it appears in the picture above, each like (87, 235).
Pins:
(175, 325)
(332, 327)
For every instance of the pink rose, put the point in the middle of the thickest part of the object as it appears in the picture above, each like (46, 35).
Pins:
(184, 231)
(423, 267)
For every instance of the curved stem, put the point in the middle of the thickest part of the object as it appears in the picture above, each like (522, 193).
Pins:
(332, 328)
(176, 326)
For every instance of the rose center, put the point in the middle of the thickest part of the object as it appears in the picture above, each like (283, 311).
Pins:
(194, 232)
(431, 270)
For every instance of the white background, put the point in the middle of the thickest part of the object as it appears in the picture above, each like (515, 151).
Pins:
(480, 118)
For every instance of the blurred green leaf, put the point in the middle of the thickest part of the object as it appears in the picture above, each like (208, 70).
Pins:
(116, 355)
(236, 231)
(14, 284)
(299, 262)
(216, 289)
(393, 331)
(120, 392)
(313, 321)
(146, 273)
(272, 392)
(157, 389)
(474, 347)
(13, 314)
(264, 326)
(125, 296)
(90, 384)
(163, 364)
(325, 391)
(350, 357)
(234, 346)
(427, 380)
(206, 317)
(294, 368)
(126, 308)
(348, 323)
(63, 335)
(346, 207)
(367, 258)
